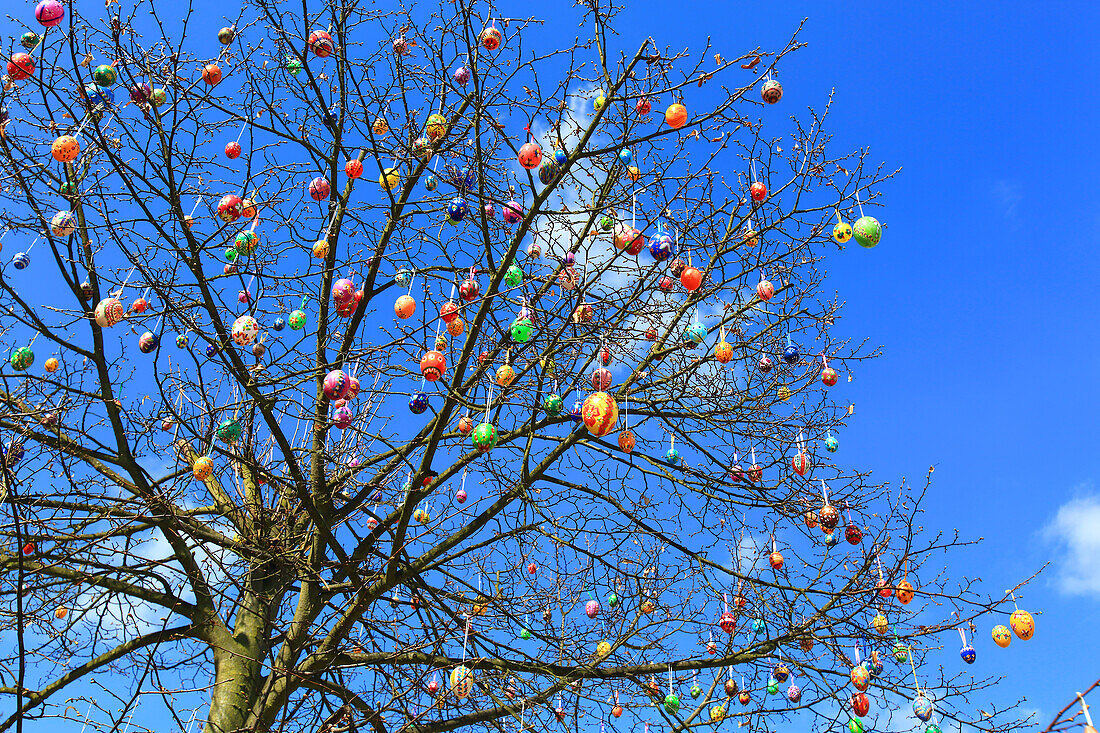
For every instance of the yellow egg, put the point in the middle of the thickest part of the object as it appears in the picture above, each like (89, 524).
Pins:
(603, 649)
(389, 178)
(880, 624)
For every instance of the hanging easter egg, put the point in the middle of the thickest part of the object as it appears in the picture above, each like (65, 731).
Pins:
(245, 242)
(226, 35)
(727, 622)
(662, 247)
(794, 693)
(521, 330)
(64, 149)
(202, 468)
(456, 327)
(696, 333)
(181, 341)
(599, 101)
(29, 40)
(530, 155)
(319, 189)
(672, 456)
(775, 559)
(592, 608)
(109, 311)
(1001, 635)
(229, 208)
(676, 116)
(461, 75)
(105, 75)
(773, 686)
(435, 127)
(765, 290)
(860, 677)
(63, 223)
(880, 624)
(801, 463)
(244, 330)
(764, 365)
(781, 671)
(691, 278)
(628, 238)
(758, 191)
(21, 358)
(600, 413)
(404, 306)
(513, 276)
(320, 249)
(842, 231)
(1023, 625)
(790, 354)
(388, 178)
(601, 379)
(320, 43)
(403, 277)
(511, 212)
(505, 375)
(922, 708)
(233, 150)
(465, 425)
(855, 725)
(783, 392)
(248, 209)
(98, 97)
(665, 283)
(772, 91)
(211, 74)
(671, 704)
(718, 713)
(49, 12)
(626, 156)
(418, 403)
(457, 209)
(484, 438)
(554, 405)
(884, 589)
(904, 592)
(832, 444)
(829, 517)
(933, 728)
(723, 352)
(462, 680)
(853, 534)
(296, 320)
(901, 653)
(548, 171)
(335, 385)
(228, 431)
(696, 691)
(51, 365)
(861, 704)
(968, 653)
(490, 38)
(867, 231)
(20, 67)
(353, 168)
(433, 365)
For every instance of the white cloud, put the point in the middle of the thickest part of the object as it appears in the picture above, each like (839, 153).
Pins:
(1076, 527)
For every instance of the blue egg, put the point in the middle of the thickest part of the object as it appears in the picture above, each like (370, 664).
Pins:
(790, 354)
(672, 456)
(376, 496)
(968, 654)
(280, 324)
(696, 333)
(561, 156)
(662, 247)
(418, 403)
(98, 96)
(21, 261)
(832, 444)
(14, 454)
(211, 350)
(758, 626)
(430, 182)
(575, 413)
(458, 209)
(625, 156)
(831, 539)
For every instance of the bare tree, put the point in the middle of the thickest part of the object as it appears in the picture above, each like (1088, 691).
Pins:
(394, 248)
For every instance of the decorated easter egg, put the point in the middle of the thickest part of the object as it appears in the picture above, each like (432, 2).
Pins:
(672, 456)
(794, 693)
(1023, 625)
(828, 376)
(530, 155)
(676, 116)
(781, 671)
(832, 444)
(484, 438)
(319, 189)
(922, 708)
(901, 653)
(20, 67)
(758, 191)
(244, 330)
(1001, 635)
(296, 320)
(764, 365)
(490, 38)
(867, 231)
(718, 713)
(404, 306)
(63, 223)
(904, 592)
(758, 626)
(842, 231)
(462, 680)
(29, 40)
(861, 704)
(765, 290)
(457, 209)
(723, 352)
(521, 330)
(64, 149)
(968, 653)
(880, 624)
(592, 608)
(829, 517)
(109, 311)
(548, 171)
(600, 413)
(671, 704)
(790, 354)
(691, 278)
(662, 247)
(461, 75)
(49, 12)
(801, 463)
(418, 403)
(211, 74)
(772, 91)
(336, 384)
(855, 725)
(860, 677)
(433, 365)
(21, 358)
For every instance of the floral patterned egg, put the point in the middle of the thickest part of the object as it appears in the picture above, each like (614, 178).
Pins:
(244, 330)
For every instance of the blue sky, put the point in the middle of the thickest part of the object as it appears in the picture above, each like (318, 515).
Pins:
(980, 289)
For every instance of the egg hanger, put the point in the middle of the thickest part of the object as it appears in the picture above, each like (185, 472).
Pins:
(1088, 716)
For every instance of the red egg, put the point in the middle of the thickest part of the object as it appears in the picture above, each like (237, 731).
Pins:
(449, 311)
(532, 568)
(776, 561)
(765, 290)
(233, 150)
(353, 168)
(758, 191)
(691, 278)
(828, 376)
(530, 155)
(853, 534)
(643, 106)
(860, 704)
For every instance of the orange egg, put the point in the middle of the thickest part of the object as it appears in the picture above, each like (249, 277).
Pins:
(905, 592)
(691, 278)
(65, 149)
(676, 115)
(211, 74)
(405, 306)
(1023, 625)
(51, 365)
(456, 327)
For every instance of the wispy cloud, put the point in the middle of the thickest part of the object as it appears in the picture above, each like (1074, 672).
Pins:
(1076, 529)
